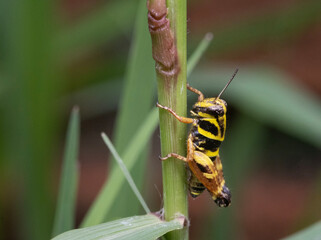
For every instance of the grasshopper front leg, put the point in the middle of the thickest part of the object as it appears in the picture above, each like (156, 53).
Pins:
(179, 118)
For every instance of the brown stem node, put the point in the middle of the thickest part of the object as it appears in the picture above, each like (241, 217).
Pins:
(163, 43)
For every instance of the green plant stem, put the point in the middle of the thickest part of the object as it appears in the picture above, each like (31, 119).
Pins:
(172, 93)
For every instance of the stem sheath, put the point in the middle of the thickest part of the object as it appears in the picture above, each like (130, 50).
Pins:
(167, 25)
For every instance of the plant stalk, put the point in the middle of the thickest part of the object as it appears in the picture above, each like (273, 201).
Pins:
(167, 25)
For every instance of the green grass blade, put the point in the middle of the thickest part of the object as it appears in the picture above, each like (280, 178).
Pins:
(105, 201)
(312, 232)
(95, 100)
(125, 172)
(146, 227)
(136, 102)
(198, 53)
(279, 26)
(65, 211)
(105, 24)
(30, 119)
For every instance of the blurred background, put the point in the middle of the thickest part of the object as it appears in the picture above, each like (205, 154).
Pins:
(97, 55)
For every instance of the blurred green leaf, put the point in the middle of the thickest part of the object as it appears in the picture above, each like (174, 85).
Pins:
(105, 24)
(198, 53)
(313, 232)
(267, 25)
(29, 117)
(269, 96)
(107, 196)
(146, 227)
(97, 99)
(136, 102)
(65, 210)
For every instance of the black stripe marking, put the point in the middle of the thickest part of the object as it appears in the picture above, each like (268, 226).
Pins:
(198, 184)
(213, 158)
(207, 143)
(203, 169)
(209, 127)
(200, 140)
(198, 190)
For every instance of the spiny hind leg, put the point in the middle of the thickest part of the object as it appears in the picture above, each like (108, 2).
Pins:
(194, 90)
(179, 118)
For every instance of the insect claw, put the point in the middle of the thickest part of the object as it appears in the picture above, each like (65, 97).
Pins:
(159, 105)
(162, 158)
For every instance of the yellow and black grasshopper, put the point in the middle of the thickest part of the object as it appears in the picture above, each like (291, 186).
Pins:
(204, 140)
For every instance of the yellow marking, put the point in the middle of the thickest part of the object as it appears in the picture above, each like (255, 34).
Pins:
(210, 175)
(194, 193)
(202, 159)
(219, 166)
(205, 115)
(222, 184)
(211, 153)
(218, 191)
(200, 148)
(212, 121)
(209, 134)
(204, 104)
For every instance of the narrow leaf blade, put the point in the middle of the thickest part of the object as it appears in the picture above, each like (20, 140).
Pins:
(65, 212)
(108, 195)
(198, 53)
(125, 172)
(312, 232)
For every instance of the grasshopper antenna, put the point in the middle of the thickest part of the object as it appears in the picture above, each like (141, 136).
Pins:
(227, 83)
